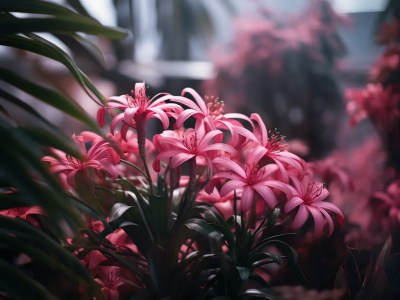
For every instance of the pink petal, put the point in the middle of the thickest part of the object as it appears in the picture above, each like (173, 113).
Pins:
(101, 116)
(220, 147)
(186, 101)
(300, 218)
(199, 100)
(292, 203)
(262, 127)
(207, 138)
(230, 165)
(331, 207)
(118, 119)
(231, 186)
(319, 221)
(183, 116)
(162, 116)
(329, 221)
(322, 196)
(140, 90)
(266, 193)
(180, 158)
(247, 198)
(129, 114)
(281, 186)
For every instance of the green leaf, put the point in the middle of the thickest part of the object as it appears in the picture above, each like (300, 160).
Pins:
(20, 161)
(36, 7)
(65, 25)
(48, 96)
(28, 233)
(41, 46)
(20, 286)
(48, 139)
(159, 214)
(24, 106)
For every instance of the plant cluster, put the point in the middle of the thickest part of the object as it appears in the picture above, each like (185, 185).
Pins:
(201, 210)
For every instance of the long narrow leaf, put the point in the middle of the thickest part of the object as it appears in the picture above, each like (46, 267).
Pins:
(20, 286)
(48, 96)
(65, 25)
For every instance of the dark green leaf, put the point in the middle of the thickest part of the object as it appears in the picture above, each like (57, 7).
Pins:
(20, 286)
(48, 96)
(64, 25)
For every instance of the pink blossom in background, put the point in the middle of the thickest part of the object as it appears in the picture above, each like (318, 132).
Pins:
(390, 202)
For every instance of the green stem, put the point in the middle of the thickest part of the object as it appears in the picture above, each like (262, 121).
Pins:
(141, 132)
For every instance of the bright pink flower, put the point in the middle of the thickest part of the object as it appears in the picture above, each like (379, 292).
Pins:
(208, 113)
(250, 180)
(137, 109)
(307, 195)
(129, 146)
(100, 157)
(275, 147)
(192, 144)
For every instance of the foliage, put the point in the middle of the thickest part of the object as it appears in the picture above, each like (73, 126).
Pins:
(25, 182)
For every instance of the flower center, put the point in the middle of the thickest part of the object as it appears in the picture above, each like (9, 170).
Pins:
(73, 161)
(215, 106)
(313, 191)
(189, 140)
(138, 100)
(276, 142)
(253, 173)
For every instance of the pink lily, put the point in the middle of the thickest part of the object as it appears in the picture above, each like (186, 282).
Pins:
(137, 109)
(251, 179)
(192, 144)
(101, 157)
(307, 195)
(275, 147)
(209, 113)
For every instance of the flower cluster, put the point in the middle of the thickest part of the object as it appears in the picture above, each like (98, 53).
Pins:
(225, 152)
(231, 161)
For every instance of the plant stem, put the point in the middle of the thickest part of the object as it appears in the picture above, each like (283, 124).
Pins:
(141, 136)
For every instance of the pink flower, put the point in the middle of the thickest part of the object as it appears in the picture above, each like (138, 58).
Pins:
(192, 144)
(307, 195)
(208, 113)
(251, 180)
(391, 201)
(275, 147)
(100, 157)
(137, 109)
